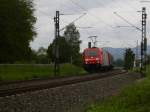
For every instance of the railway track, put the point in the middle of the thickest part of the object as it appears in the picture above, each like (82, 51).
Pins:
(7, 89)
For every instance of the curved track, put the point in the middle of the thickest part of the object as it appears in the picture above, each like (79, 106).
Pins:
(20, 87)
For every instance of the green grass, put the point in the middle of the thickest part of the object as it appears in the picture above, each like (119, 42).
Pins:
(26, 72)
(135, 98)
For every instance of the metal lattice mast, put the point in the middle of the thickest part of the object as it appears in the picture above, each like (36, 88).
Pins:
(56, 45)
(144, 40)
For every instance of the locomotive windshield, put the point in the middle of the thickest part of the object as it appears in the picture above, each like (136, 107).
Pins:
(91, 53)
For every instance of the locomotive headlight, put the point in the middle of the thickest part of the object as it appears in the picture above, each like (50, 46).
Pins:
(86, 59)
(97, 59)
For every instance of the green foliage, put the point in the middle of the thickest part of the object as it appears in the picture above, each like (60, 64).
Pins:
(69, 46)
(21, 72)
(26, 72)
(129, 59)
(148, 71)
(41, 56)
(118, 63)
(16, 30)
(64, 50)
(148, 59)
(72, 36)
(68, 69)
(132, 99)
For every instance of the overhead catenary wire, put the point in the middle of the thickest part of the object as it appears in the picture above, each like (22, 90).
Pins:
(84, 9)
(127, 21)
(71, 5)
(81, 7)
(74, 21)
(111, 7)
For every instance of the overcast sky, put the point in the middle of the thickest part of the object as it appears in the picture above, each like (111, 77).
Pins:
(99, 15)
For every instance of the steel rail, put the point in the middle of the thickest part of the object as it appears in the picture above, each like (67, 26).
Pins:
(56, 83)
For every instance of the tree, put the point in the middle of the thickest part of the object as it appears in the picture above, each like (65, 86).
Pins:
(129, 59)
(42, 51)
(41, 56)
(72, 36)
(16, 30)
(64, 50)
(69, 46)
(119, 63)
(148, 59)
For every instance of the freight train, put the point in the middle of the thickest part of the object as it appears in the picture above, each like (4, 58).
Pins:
(97, 59)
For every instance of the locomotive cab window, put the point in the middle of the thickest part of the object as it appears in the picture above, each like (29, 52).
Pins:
(91, 53)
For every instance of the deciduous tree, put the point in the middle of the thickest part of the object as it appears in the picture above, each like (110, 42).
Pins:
(72, 36)
(129, 59)
(16, 30)
(64, 50)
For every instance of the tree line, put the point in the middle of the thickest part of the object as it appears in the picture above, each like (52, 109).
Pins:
(130, 61)
(17, 31)
(69, 48)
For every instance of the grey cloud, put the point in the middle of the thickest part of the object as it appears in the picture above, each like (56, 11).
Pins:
(100, 16)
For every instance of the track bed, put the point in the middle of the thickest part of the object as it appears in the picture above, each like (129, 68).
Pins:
(19, 87)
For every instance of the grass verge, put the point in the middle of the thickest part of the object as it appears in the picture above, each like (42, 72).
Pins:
(135, 98)
(26, 72)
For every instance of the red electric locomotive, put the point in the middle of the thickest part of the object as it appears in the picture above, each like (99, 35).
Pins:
(97, 59)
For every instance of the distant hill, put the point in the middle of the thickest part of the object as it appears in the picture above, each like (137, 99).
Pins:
(118, 53)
